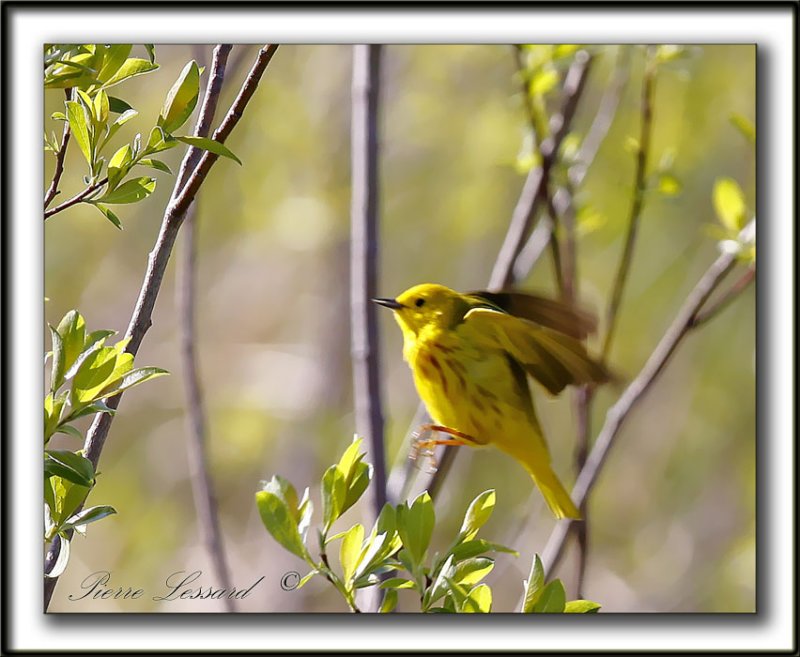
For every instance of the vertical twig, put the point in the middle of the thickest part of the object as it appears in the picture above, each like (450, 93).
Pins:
(59, 168)
(531, 195)
(636, 206)
(202, 483)
(364, 260)
(141, 319)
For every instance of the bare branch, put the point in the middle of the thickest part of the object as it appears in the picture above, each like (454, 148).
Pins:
(141, 320)
(714, 309)
(78, 198)
(636, 206)
(531, 195)
(364, 260)
(59, 168)
(619, 412)
(202, 483)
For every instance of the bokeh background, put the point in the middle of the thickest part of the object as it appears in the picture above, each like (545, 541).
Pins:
(673, 514)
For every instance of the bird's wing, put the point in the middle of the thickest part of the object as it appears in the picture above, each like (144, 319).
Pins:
(553, 314)
(552, 358)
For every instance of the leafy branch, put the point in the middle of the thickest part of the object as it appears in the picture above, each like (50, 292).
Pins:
(174, 111)
(395, 555)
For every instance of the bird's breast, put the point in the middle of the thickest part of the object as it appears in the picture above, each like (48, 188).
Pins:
(462, 387)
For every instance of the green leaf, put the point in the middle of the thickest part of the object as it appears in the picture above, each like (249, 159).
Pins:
(52, 413)
(565, 50)
(92, 514)
(350, 552)
(415, 526)
(479, 511)
(57, 367)
(108, 214)
(125, 116)
(543, 81)
(98, 370)
(115, 57)
(181, 99)
(151, 52)
(729, 204)
(397, 583)
(304, 512)
(100, 108)
(476, 547)
(131, 191)
(133, 378)
(439, 587)
(118, 165)
(79, 126)
(93, 341)
(669, 53)
(479, 600)
(131, 68)
(72, 329)
(70, 466)
(534, 585)
(304, 580)
(155, 164)
(333, 495)
(70, 431)
(119, 106)
(552, 599)
(357, 485)
(581, 607)
(208, 145)
(472, 571)
(278, 514)
(744, 126)
(389, 602)
(61, 561)
(669, 185)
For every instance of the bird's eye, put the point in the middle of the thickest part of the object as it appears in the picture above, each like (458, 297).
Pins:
(419, 302)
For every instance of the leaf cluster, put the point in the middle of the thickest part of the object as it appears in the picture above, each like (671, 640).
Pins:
(395, 554)
(84, 373)
(90, 71)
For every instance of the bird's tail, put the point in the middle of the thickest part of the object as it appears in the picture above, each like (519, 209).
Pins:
(555, 495)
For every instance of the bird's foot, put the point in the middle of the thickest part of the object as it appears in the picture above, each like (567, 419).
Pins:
(423, 445)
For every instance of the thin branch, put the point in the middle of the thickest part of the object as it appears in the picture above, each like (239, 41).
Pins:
(563, 205)
(78, 198)
(713, 309)
(606, 111)
(621, 278)
(615, 418)
(141, 320)
(364, 260)
(202, 483)
(531, 195)
(59, 168)
(562, 199)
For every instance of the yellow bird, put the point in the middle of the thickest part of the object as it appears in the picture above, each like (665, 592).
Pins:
(469, 354)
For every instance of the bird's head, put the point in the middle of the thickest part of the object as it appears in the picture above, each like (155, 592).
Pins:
(426, 305)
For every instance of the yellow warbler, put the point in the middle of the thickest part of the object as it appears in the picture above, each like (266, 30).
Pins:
(469, 354)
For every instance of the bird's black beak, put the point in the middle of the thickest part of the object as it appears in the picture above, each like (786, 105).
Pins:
(389, 303)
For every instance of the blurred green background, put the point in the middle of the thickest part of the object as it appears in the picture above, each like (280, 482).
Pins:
(673, 514)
